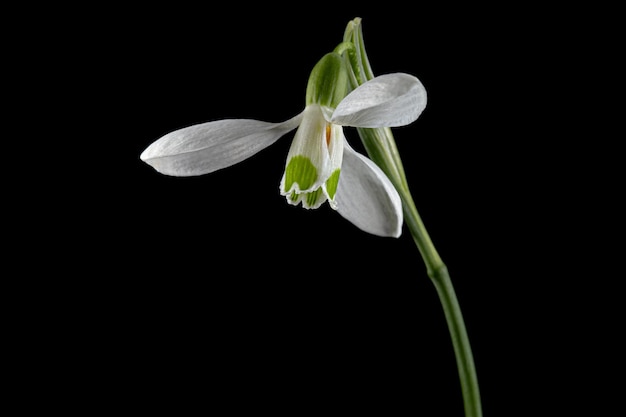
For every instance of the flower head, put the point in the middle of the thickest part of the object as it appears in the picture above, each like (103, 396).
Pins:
(321, 166)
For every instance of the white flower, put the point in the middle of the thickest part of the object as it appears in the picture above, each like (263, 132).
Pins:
(320, 165)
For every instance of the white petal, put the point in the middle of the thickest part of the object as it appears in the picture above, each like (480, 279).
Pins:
(309, 142)
(207, 147)
(366, 197)
(385, 101)
(314, 161)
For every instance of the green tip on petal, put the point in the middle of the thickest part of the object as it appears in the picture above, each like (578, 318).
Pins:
(331, 184)
(314, 199)
(300, 170)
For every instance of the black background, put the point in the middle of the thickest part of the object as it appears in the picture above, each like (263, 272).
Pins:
(212, 293)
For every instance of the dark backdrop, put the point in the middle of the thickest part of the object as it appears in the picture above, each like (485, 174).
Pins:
(213, 293)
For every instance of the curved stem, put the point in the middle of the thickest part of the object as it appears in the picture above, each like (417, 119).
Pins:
(422, 240)
(380, 146)
(460, 341)
(438, 273)
(373, 140)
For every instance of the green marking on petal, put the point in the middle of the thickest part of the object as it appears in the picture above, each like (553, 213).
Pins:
(331, 183)
(313, 197)
(293, 198)
(300, 170)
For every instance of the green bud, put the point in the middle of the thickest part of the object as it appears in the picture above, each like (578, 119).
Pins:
(328, 82)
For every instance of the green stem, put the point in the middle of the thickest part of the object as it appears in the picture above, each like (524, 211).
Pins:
(380, 146)
(460, 341)
(438, 273)
(422, 240)
(435, 268)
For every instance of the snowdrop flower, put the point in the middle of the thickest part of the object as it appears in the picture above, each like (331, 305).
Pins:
(321, 166)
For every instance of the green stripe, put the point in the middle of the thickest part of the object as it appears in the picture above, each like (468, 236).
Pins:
(313, 197)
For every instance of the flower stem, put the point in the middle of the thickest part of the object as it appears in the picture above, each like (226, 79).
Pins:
(438, 273)
(380, 146)
(435, 268)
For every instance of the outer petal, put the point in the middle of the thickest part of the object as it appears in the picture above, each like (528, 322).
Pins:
(207, 147)
(385, 101)
(366, 197)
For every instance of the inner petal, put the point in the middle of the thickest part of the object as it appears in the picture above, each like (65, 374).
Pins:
(308, 162)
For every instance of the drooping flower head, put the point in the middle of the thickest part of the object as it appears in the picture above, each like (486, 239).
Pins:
(321, 166)
(314, 160)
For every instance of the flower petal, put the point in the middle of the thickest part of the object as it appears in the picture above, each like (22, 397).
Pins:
(308, 160)
(385, 101)
(207, 147)
(314, 161)
(366, 197)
